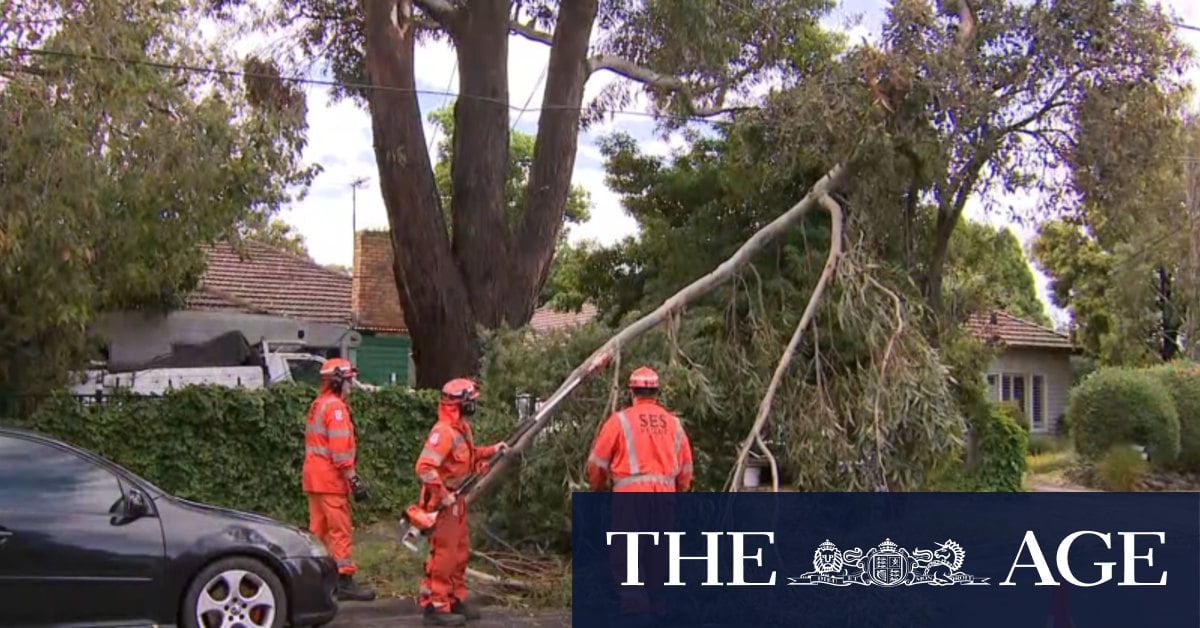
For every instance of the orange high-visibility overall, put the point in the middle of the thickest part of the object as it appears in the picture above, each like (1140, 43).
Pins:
(448, 457)
(328, 453)
(641, 449)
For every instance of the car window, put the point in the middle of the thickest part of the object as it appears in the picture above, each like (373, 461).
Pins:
(305, 371)
(36, 475)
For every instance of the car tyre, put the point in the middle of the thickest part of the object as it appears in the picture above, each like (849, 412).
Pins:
(242, 590)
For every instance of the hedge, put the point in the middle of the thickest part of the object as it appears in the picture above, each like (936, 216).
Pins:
(1001, 442)
(244, 449)
(1119, 406)
(1182, 380)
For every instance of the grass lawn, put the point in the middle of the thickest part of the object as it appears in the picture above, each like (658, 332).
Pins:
(1050, 464)
(395, 572)
(383, 563)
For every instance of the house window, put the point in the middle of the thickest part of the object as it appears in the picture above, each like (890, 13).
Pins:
(1038, 404)
(1012, 388)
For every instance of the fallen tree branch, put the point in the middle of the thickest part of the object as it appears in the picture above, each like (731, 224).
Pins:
(785, 360)
(702, 286)
(766, 451)
(887, 355)
(490, 579)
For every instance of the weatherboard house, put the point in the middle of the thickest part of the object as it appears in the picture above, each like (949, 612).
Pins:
(1032, 367)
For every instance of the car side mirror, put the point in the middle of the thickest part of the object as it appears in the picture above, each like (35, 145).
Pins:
(135, 504)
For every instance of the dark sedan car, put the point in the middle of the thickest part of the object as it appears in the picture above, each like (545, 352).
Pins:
(85, 542)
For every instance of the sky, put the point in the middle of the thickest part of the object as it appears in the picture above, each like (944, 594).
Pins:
(340, 140)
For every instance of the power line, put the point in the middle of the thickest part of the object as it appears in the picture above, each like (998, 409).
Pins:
(182, 67)
(529, 99)
(1186, 26)
(449, 84)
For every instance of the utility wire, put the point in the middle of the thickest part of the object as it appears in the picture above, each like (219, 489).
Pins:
(529, 99)
(449, 84)
(332, 83)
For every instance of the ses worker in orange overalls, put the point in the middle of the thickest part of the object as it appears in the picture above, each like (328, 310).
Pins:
(642, 448)
(448, 457)
(329, 474)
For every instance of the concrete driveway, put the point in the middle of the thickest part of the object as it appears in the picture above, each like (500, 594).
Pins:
(402, 613)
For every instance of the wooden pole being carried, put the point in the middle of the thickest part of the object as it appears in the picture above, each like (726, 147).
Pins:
(601, 357)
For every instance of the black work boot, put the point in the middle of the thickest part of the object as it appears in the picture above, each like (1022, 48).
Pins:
(348, 589)
(466, 610)
(443, 619)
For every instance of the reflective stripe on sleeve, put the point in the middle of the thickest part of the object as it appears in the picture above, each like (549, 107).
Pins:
(432, 455)
(344, 456)
(630, 449)
(317, 451)
(678, 443)
(339, 433)
(598, 461)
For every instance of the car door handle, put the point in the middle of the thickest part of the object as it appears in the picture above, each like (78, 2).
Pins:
(4, 534)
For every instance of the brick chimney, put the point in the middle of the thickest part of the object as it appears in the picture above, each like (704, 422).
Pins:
(374, 299)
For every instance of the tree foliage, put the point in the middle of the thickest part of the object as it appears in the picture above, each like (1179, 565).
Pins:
(696, 207)
(986, 269)
(1123, 264)
(114, 173)
(971, 99)
(277, 234)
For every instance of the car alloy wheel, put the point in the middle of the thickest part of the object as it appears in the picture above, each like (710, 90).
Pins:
(236, 593)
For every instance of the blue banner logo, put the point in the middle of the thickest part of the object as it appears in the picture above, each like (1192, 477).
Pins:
(1069, 560)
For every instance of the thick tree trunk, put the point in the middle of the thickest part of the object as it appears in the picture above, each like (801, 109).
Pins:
(491, 273)
(936, 267)
(553, 158)
(478, 174)
(436, 306)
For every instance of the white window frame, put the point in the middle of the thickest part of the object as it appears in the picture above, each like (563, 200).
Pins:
(996, 387)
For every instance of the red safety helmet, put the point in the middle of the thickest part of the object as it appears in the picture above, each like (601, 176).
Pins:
(338, 369)
(644, 378)
(460, 390)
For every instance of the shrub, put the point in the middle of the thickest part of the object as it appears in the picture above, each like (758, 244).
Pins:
(1121, 468)
(244, 449)
(1118, 405)
(1182, 380)
(1000, 444)
(1040, 444)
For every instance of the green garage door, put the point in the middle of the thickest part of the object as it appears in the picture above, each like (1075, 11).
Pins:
(383, 359)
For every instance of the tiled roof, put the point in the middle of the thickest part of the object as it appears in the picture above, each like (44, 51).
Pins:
(269, 281)
(1015, 332)
(272, 281)
(545, 319)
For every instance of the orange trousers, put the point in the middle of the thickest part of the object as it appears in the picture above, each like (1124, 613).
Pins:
(445, 579)
(329, 520)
